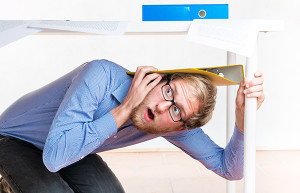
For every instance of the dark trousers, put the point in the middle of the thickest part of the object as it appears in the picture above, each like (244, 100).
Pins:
(22, 167)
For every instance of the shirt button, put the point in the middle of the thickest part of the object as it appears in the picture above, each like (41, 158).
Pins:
(115, 136)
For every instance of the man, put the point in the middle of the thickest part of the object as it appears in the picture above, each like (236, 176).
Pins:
(50, 136)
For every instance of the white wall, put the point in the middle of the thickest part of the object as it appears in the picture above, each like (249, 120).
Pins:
(34, 61)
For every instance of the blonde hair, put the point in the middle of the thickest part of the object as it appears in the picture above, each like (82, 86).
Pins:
(205, 92)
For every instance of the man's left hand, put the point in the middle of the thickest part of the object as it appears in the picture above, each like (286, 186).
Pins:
(252, 89)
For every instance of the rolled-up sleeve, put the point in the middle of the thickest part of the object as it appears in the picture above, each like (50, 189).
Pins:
(226, 162)
(74, 133)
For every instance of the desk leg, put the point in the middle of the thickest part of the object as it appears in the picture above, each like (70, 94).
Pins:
(249, 134)
(230, 114)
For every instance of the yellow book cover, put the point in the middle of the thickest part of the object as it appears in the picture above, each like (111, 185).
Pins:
(220, 75)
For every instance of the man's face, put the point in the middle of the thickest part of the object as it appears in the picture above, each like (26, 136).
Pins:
(152, 115)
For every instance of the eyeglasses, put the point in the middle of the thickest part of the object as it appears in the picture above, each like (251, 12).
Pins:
(174, 111)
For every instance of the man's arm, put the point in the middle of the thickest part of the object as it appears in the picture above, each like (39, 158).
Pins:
(74, 132)
(227, 162)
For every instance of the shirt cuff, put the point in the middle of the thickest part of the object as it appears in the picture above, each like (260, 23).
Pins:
(237, 139)
(105, 126)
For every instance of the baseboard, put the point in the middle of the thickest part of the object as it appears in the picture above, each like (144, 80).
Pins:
(153, 150)
(137, 150)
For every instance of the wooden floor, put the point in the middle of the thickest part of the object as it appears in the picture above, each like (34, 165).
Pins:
(175, 172)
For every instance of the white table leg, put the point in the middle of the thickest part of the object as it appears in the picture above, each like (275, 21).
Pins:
(230, 118)
(249, 134)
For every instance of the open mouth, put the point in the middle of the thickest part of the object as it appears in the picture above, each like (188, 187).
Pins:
(150, 114)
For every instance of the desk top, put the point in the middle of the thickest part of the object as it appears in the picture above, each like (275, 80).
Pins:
(173, 27)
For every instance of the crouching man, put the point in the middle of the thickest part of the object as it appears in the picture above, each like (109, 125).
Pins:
(50, 137)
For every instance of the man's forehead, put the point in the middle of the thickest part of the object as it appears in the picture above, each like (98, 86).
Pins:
(184, 96)
(184, 88)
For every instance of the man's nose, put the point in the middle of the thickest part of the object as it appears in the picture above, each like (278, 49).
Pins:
(163, 106)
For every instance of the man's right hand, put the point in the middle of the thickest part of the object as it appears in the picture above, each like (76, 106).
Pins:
(141, 85)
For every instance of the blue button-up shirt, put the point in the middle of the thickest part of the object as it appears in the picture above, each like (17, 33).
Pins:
(69, 119)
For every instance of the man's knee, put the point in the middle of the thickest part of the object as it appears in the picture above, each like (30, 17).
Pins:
(22, 167)
(4, 186)
(91, 174)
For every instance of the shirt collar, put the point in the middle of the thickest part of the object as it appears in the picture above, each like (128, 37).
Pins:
(121, 92)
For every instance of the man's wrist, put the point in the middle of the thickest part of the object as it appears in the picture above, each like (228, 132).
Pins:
(239, 119)
(121, 114)
(240, 127)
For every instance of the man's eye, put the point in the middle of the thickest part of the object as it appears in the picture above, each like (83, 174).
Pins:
(169, 92)
(176, 110)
